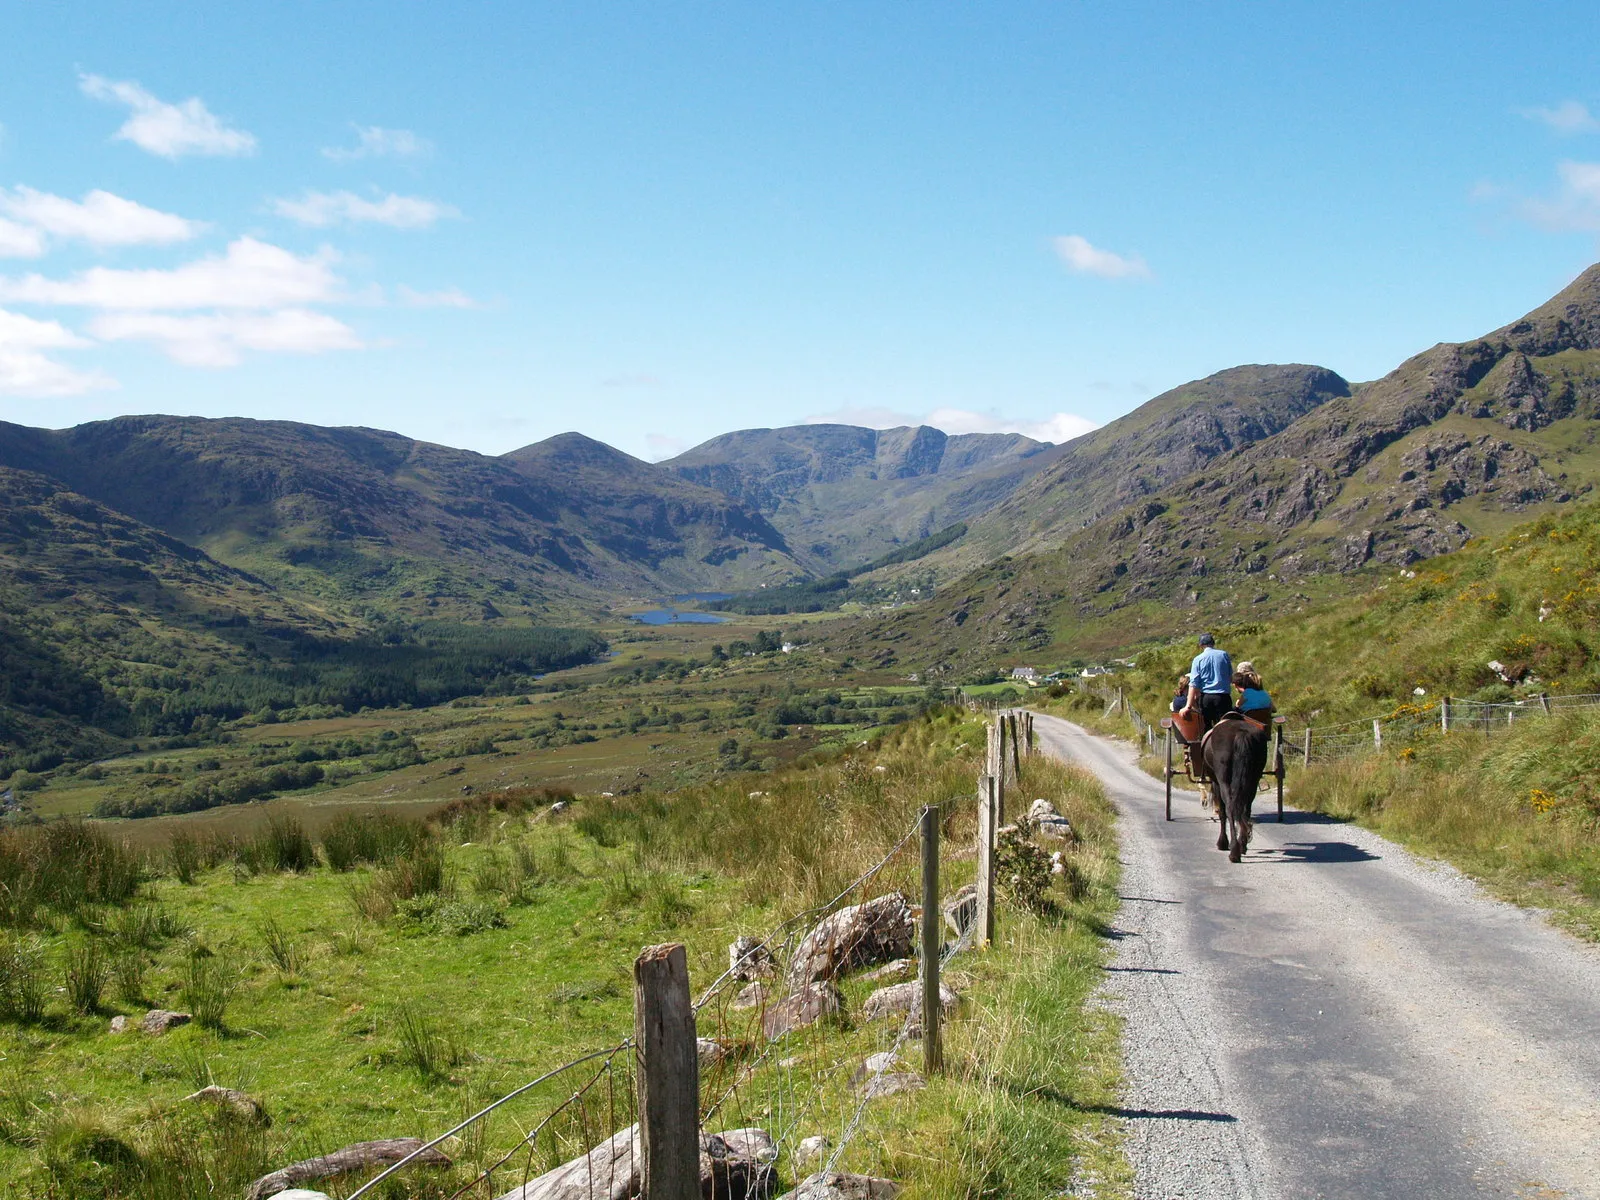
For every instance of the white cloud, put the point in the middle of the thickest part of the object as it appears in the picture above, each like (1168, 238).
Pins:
(321, 209)
(1567, 117)
(373, 141)
(169, 130)
(1058, 427)
(1086, 259)
(100, 217)
(217, 339)
(26, 371)
(250, 274)
(444, 298)
(1576, 205)
(19, 241)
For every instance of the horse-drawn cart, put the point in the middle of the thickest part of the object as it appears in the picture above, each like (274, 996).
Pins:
(1186, 732)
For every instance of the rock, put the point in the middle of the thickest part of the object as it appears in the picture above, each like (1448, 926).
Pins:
(840, 1186)
(880, 1063)
(119, 1024)
(858, 936)
(559, 807)
(709, 1052)
(898, 969)
(734, 1165)
(1058, 863)
(752, 995)
(892, 1083)
(159, 1020)
(238, 1102)
(961, 909)
(804, 1007)
(749, 958)
(358, 1157)
(1050, 823)
(811, 1149)
(903, 998)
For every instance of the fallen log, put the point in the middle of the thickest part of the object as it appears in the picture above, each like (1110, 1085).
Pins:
(352, 1158)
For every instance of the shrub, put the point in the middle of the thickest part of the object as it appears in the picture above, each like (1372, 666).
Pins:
(86, 975)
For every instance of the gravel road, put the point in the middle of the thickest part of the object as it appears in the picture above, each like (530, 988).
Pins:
(1334, 1017)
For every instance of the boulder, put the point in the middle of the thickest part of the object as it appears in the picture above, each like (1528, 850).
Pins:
(892, 1083)
(752, 995)
(749, 959)
(859, 936)
(811, 1149)
(734, 1165)
(805, 1006)
(709, 1052)
(119, 1024)
(235, 1101)
(1050, 823)
(961, 909)
(358, 1157)
(159, 1020)
(898, 969)
(903, 998)
(840, 1186)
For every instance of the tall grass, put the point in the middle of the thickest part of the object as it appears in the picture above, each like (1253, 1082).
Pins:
(424, 872)
(280, 945)
(22, 978)
(207, 986)
(62, 867)
(283, 845)
(87, 971)
(799, 837)
(356, 838)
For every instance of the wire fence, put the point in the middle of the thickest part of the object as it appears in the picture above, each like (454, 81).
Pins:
(763, 1068)
(1404, 726)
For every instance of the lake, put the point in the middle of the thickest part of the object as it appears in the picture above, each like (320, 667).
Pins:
(671, 616)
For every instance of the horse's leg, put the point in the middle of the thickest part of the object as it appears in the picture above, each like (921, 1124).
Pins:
(1241, 835)
(1222, 817)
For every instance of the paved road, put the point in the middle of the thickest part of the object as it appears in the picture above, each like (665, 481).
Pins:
(1335, 1018)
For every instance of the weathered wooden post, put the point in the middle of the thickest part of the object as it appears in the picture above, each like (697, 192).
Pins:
(1444, 715)
(932, 1044)
(1308, 745)
(1377, 734)
(1544, 702)
(1016, 749)
(669, 1075)
(983, 919)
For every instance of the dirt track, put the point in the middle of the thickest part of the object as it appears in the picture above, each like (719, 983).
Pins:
(1336, 1018)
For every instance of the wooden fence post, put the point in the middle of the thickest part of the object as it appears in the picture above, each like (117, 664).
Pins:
(983, 919)
(1308, 746)
(1377, 734)
(1444, 715)
(669, 1075)
(932, 1045)
(1016, 749)
(1544, 702)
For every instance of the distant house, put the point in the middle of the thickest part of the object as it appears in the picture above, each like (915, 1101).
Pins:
(1026, 674)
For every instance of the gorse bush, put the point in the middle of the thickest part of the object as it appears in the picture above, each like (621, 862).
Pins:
(62, 867)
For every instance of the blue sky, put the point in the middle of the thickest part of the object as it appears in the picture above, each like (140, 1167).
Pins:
(483, 224)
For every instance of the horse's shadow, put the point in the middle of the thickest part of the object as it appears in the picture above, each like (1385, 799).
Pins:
(1056, 1096)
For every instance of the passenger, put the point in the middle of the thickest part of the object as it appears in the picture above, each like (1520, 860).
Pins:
(1182, 697)
(1253, 699)
(1210, 677)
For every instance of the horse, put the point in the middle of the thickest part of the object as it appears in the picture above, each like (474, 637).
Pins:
(1235, 753)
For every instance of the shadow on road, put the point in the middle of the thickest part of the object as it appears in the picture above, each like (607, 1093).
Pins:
(1142, 970)
(1315, 852)
(1147, 900)
(1116, 1110)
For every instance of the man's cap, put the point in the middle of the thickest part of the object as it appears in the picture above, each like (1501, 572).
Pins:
(1207, 640)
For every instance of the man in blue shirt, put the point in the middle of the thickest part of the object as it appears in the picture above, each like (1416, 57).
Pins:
(1210, 682)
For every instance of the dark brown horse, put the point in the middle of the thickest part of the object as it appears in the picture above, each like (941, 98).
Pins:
(1235, 754)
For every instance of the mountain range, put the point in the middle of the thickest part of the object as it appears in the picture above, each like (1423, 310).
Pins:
(1248, 490)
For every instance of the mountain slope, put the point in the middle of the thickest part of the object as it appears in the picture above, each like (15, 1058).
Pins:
(1463, 439)
(363, 516)
(844, 495)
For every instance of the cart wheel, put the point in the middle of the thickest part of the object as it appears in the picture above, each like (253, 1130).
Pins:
(1169, 774)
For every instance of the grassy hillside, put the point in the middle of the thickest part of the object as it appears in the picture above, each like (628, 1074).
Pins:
(1460, 441)
(396, 977)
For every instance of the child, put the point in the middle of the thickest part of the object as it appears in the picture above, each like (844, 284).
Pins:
(1253, 699)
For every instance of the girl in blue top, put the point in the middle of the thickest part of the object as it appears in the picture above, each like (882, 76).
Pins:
(1253, 699)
